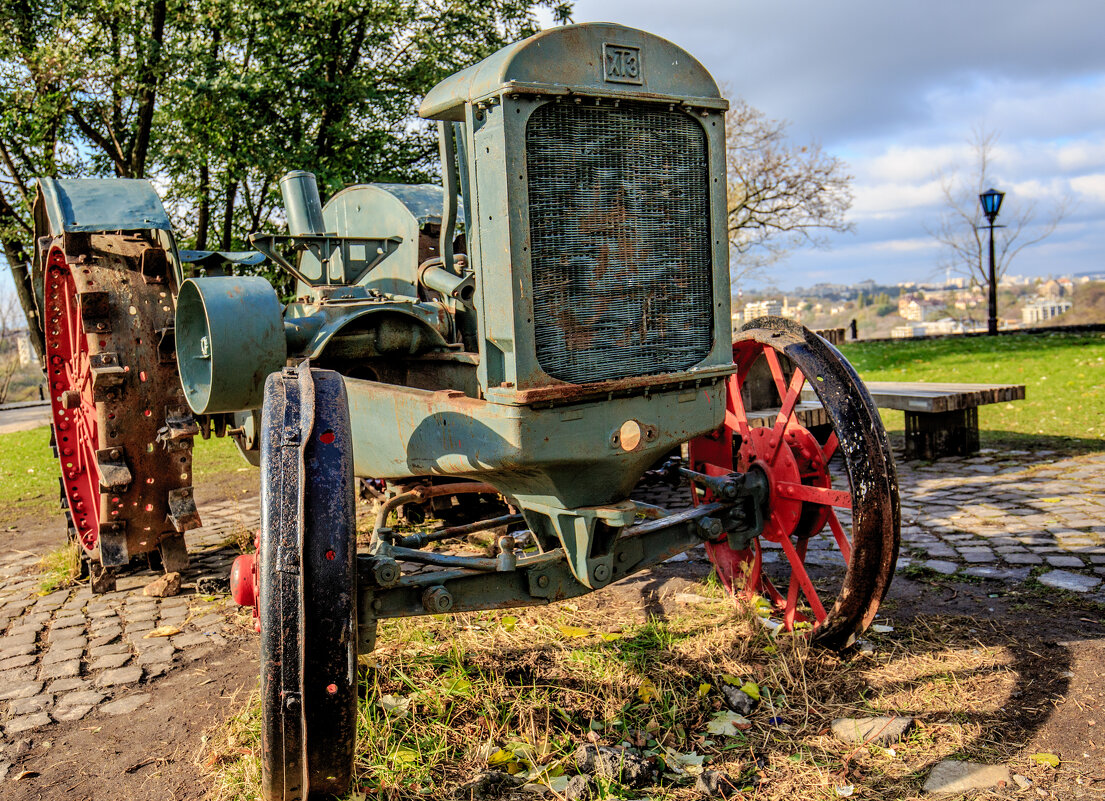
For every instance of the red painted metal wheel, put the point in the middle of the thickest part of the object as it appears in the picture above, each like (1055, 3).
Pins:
(832, 518)
(76, 427)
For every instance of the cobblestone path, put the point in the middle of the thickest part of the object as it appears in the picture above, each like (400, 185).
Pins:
(1002, 516)
(65, 654)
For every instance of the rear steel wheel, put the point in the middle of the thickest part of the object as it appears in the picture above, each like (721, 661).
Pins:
(833, 488)
(122, 431)
(307, 577)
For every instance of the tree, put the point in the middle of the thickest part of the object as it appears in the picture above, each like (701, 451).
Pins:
(780, 195)
(11, 328)
(215, 99)
(962, 230)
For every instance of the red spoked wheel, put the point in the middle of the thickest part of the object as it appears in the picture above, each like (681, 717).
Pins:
(76, 427)
(832, 513)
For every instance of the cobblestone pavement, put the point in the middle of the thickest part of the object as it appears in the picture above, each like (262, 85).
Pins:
(67, 653)
(1002, 516)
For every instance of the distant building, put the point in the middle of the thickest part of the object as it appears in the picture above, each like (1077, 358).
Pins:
(915, 307)
(1039, 310)
(23, 345)
(762, 308)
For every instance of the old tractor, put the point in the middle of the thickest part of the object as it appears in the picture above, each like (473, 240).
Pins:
(581, 340)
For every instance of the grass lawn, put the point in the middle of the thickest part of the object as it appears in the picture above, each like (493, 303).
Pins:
(1063, 374)
(29, 472)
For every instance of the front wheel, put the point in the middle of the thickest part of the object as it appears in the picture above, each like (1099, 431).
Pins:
(797, 411)
(308, 593)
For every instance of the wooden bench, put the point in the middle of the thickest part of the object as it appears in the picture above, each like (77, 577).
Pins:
(940, 419)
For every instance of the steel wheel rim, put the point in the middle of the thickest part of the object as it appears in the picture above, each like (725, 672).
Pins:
(870, 553)
(76, 430)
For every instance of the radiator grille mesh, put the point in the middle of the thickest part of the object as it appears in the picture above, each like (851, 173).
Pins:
(620, 240)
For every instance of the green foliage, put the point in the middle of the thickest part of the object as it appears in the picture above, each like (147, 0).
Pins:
(217, 98)
(1064, 376)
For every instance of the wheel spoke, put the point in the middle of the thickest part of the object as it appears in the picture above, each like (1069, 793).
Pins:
(798, 572)
(842, 541)
(786, 411)
(735, 415)
(776, 370)
(831, 444)
(821, 495)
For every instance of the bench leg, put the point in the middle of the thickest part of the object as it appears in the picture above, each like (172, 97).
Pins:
(932, 435)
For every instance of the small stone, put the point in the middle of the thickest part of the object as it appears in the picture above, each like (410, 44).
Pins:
(1072, 582)
(68, 685)
(941, 566)
(1023, 559)
(619, 764)
(123, 675)
(1065, 561)
(18, 661)
(125, 705)
(80, 698)
(54, 655)
(209, 621)
(26, 723)
(72, 713)
(28, 706)
(486, 785)
(1022, 781)
(580, 788)
(738, 700)
(151, 655)
(163, 586)
(716, 784)
(950, 776)
(212, 585)
(22, 690)
(882, 730)
(109, 661)
(61, 670)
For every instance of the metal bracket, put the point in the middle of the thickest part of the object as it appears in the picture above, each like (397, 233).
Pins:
(324, 247)
(586, 534)
(182, 509)
(115, 476)
(108, 378)
(166, 345)
(95, 311)
(179, 425)
(113, 543)
(154, 265)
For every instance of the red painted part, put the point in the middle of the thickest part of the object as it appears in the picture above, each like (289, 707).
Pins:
(242, 580)
(70, 380)
(801, 496)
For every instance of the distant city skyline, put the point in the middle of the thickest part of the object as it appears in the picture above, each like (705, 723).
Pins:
(895, 90)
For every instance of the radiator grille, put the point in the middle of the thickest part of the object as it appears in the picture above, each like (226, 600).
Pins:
(620, 240)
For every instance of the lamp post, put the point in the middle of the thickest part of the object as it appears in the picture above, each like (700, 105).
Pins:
(991, 205)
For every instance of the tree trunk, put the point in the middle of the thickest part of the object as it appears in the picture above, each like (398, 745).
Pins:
(228, 214)
(203, 214)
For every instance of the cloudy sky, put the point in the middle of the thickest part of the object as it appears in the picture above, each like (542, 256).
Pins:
(896, 89)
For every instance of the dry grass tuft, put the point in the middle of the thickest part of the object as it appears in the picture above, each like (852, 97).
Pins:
(524, 689)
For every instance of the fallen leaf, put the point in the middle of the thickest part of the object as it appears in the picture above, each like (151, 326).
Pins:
(1046, 759)
(704, 689)
(731, 680)
(161, 631)
(728, 723)
(501, 757)
(404, 756)
(879, 628)
(26, 774)
(457, 685)
(845, 790)
(574, 631)
(647, 691)
(610, 636)
(508, 623)
(396, 705)
(751, 689)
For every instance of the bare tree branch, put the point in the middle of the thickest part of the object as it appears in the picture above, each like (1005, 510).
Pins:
(780, 196)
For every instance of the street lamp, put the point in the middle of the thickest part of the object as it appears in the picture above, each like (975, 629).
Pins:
(991, 205)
